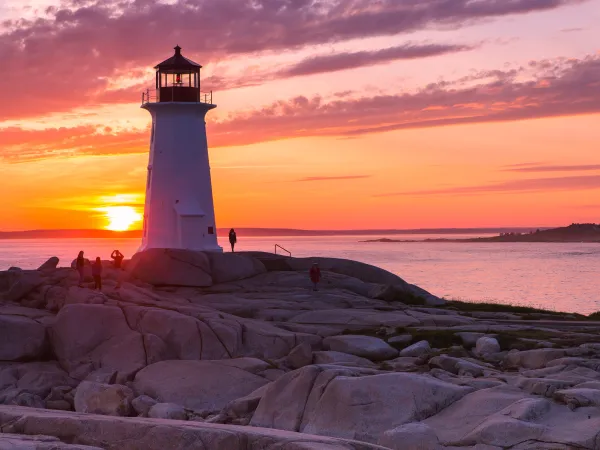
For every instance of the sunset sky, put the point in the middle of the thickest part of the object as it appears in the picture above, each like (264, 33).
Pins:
(338, 114)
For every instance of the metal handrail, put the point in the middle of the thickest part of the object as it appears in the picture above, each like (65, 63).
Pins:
(153, 96)
(287, 251)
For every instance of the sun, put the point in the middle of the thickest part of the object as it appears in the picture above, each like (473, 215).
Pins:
(121, 218)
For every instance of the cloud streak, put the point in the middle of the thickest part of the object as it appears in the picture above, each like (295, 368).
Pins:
(556, 168)
(528, 185)
(352, 60)
(332, 178)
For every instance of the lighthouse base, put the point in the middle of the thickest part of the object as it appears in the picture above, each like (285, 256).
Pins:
(216, 249)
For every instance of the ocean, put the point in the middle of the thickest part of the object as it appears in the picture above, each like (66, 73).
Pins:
(555, 276)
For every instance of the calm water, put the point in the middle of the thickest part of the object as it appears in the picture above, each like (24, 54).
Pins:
(554, 276)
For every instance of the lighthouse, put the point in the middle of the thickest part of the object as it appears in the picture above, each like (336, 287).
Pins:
(179, 211)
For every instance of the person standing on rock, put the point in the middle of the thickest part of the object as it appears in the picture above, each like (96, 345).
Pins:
(315, 275)
(79, 265)
(232, 239)
(117, 256)
(97, 273)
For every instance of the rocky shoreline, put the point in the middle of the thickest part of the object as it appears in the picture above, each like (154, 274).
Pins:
(191, 350)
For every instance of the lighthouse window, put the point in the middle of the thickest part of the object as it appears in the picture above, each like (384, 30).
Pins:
(211, 230)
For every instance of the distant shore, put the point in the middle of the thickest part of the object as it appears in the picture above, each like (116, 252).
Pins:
(574, 233)
(257, 232)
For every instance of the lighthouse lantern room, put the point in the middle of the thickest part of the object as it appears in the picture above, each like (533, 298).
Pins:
(179, 210)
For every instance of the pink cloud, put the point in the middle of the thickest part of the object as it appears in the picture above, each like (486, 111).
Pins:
(65, 61)
(573, 90)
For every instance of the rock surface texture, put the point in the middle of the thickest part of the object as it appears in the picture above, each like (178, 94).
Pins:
(187, 350)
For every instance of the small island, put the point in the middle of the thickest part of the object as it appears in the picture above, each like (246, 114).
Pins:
(577, 232)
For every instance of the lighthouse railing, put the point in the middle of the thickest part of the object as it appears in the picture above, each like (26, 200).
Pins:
(153, 96)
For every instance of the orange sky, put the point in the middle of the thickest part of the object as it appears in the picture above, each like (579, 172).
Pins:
(464, 117)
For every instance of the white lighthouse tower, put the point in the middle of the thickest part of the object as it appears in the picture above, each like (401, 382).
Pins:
(179, 211)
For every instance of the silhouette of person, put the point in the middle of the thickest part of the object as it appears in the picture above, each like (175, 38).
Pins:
(117, 256)
(97, 273)
(79, 264)
(315, 275)
(232, 239)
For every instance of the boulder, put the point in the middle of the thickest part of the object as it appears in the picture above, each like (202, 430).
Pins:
(263, 340)
(50, 264)
(532, 359)
(105, 376)
(282, 404)
(460, 418)
(59, 405)
(18, 397)
(417, 349)
(411, 436)
(400, 340)
(167, 411)
(55, 297)
(174, 335)
(300, 356)
(334, 358)
(244, 406)
(486, 345)
(404, 364)
(79, 295)
(197, 385)
(542, 386)
(21, 338)
(363, 408)
(405, 293)
(107, 399)
(368, 347)
(24, 282)
(142, 404)
(121, 433)
(469, 338)
(457, 366)
(41, 382)
(578, 397)
(503, 431)
(227, 267)
(171, 267)
(9, 441)
(355, 317)
(89, 337)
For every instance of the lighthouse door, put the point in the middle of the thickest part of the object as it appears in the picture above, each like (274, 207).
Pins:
(191, 232)
(190, 221)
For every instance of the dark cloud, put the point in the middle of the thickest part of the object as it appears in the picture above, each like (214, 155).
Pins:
(528, 164)
(557, 168)
(351, 60)
(528, 185)
(68, 59)
(334, 178)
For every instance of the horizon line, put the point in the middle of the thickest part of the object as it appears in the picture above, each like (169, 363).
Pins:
(282, 229)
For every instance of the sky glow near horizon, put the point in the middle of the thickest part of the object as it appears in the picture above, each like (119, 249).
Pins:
(331, 114)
